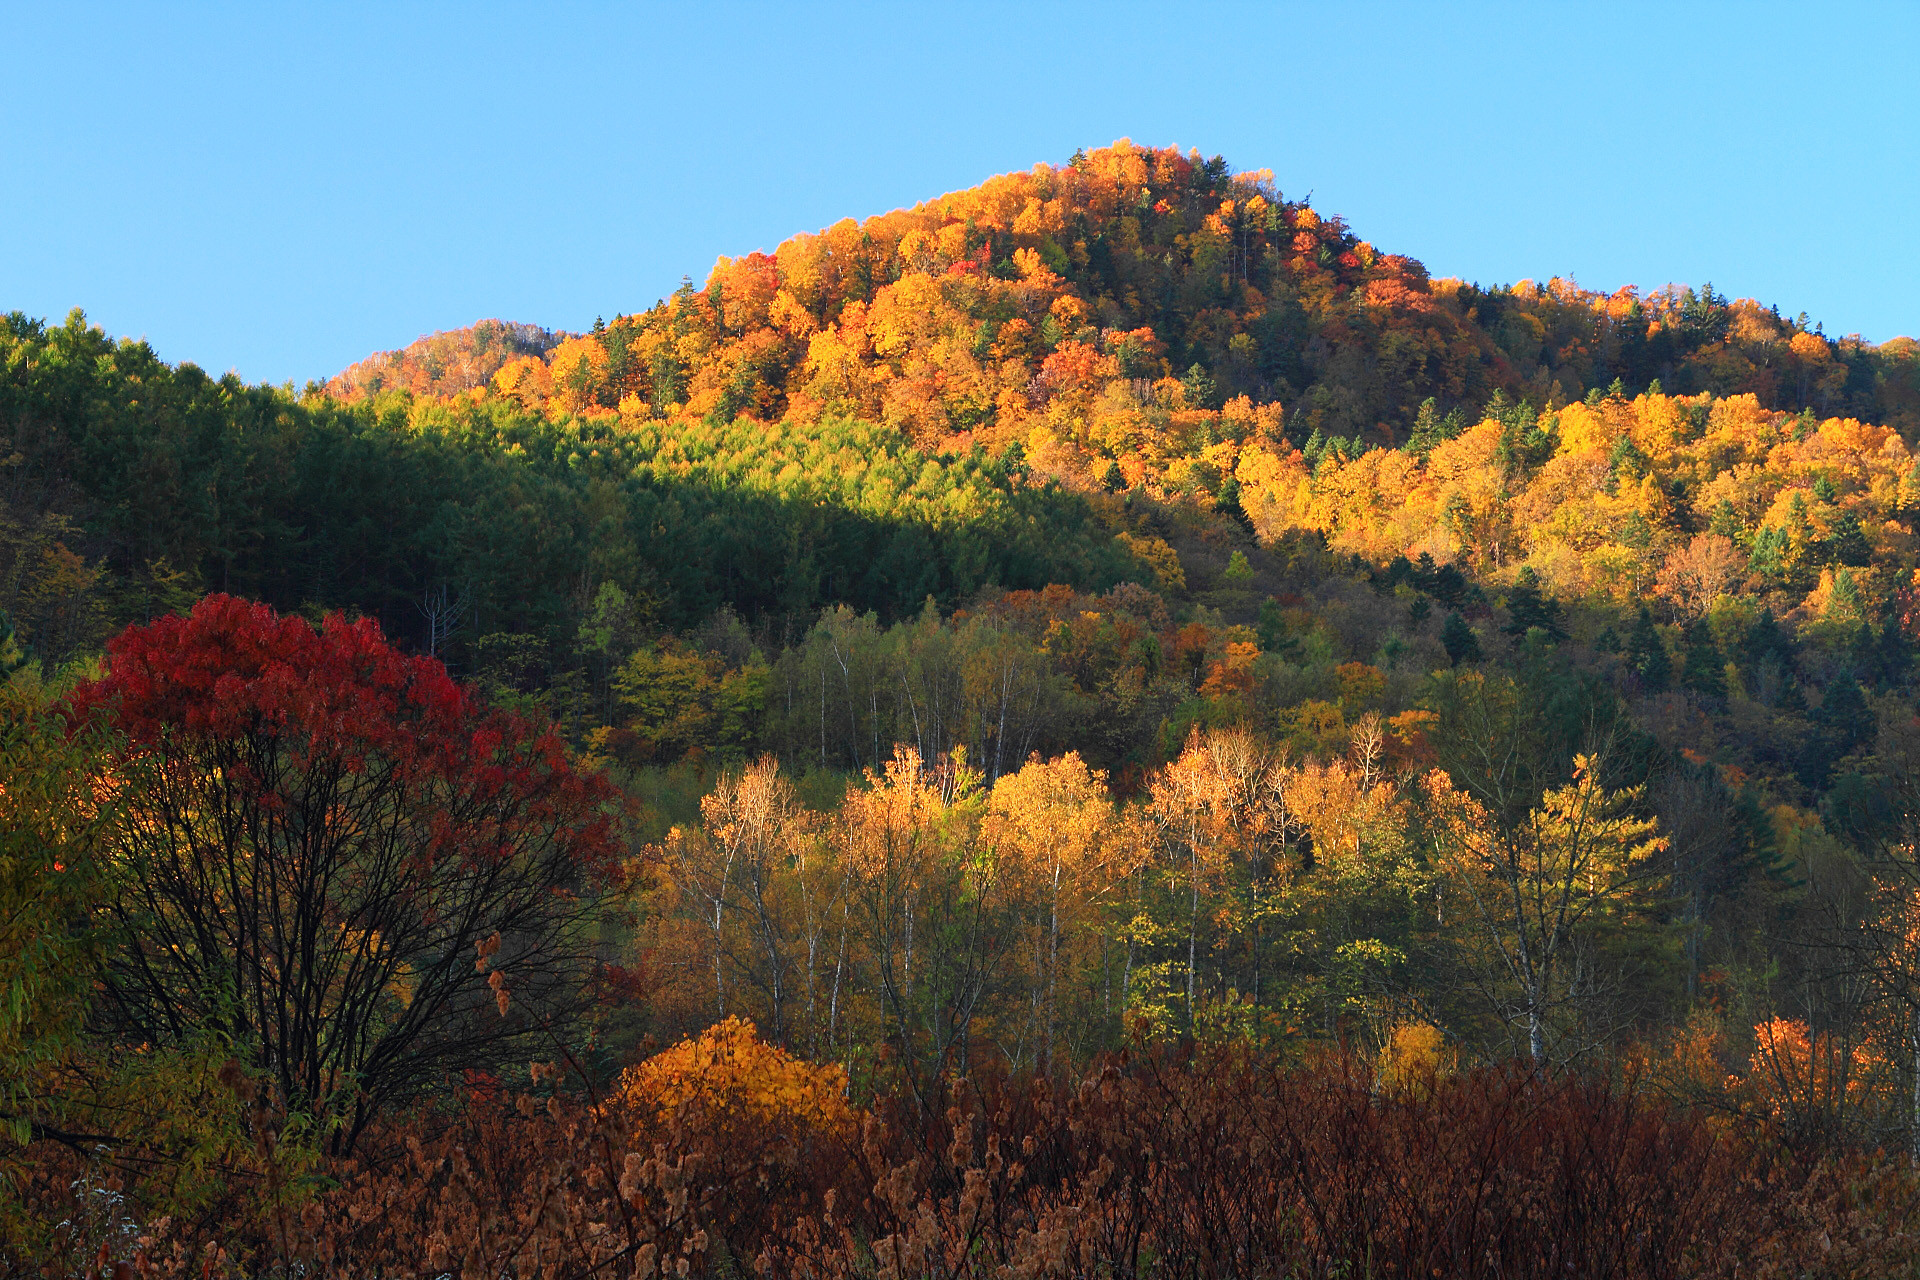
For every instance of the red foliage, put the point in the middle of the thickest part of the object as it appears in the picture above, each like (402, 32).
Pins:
(398, 875)
(235, 669)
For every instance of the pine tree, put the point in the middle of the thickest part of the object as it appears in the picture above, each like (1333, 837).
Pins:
(1896, 651)
(1461, 644)
(1848, 542)
(1765, 638)
(1844, 712)
(1527, 608)
(1426, 429)
(1271, 628)
(1726, 521)
(1647, 654)
(1704, 671)
(1200, 388)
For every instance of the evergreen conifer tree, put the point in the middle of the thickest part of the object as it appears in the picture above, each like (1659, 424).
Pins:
(1704, 670)
(1461, 644)
(1528, 608)
(1647, 654)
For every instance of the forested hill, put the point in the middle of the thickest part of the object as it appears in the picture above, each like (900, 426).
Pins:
(1113, 602)
(444, 363)
(1184, 447)
(1064, 298)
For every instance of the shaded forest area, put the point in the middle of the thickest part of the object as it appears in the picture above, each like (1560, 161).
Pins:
(1105, 666)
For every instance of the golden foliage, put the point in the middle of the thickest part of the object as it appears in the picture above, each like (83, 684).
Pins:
(728, 1070)
(1413, 1058)
(1800, 1076)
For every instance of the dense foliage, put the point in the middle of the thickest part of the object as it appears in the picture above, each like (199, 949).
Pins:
(1110, 611)
(443, 363)
(315, 831)
(1107, 297)
(131, 486)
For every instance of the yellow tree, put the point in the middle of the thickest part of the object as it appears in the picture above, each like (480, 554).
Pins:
(756, 828)
(1222, 798)
(1539, 890)
(1348, 900)
(760, 900)
(929, 901)
(1053, 829)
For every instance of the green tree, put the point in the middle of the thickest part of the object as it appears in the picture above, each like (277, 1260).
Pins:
(1704, 669)
(1528, 608)
(1461, 644)
(1199, 387)
(1647, 654)
(56, 809)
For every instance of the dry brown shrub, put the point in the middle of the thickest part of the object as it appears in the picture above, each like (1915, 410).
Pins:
(1163, 1162)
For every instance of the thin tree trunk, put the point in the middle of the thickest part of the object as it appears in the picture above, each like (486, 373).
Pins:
(839, 968)
(1000, 736)
(1053, 964)
(1193, 925)
(1913, 1137)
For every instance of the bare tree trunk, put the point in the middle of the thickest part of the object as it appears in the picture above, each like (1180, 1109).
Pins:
(1913, 1136)
(1000, 736)
(1193, 924)
(443, 613)
(719, 990)
(839, 968)
(1053, 964)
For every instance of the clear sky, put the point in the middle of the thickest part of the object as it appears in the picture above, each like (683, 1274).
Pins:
(281, 189)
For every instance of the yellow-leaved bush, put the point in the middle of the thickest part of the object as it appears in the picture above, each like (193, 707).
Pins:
(1413, 1057)
(727, 1073)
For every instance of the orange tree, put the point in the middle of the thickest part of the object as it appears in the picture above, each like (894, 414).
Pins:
(336, 860)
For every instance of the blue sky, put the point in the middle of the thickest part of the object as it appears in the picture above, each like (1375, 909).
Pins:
(282, 189)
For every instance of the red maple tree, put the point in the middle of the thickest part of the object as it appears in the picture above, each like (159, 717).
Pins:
(337, 859)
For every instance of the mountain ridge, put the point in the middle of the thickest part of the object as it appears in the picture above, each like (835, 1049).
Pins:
(969, 315)
(446, 362)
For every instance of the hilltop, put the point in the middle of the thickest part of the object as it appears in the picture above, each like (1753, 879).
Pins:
(1125, 301)
(445, 363)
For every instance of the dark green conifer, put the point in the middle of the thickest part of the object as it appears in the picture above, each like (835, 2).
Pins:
(1895, 651)
(1461, 644)
(1647, 654)
(1848, 542)
(1271, 628)
(1528, 607)
(1704, 669)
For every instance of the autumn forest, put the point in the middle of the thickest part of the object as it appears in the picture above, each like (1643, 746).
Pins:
(1097, 725)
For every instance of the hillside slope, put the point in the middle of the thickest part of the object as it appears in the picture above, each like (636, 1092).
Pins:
(1086, 460)
(444, 363)
(1119, 300)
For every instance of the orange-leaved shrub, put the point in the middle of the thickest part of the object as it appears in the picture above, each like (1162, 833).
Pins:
(728, 1075)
